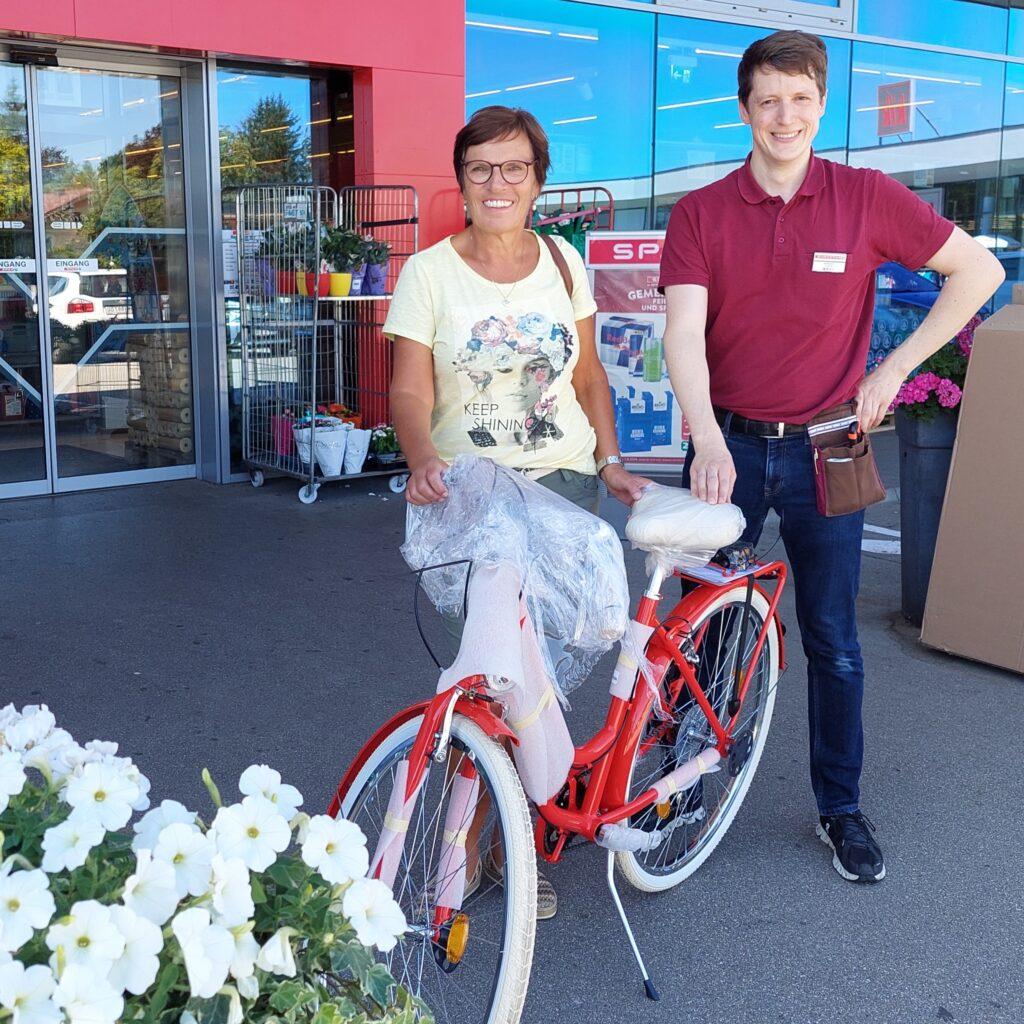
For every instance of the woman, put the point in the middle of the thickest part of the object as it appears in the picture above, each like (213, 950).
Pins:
(492, 356)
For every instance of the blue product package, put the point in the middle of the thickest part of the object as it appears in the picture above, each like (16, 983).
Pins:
(661, 417)
(633, 424)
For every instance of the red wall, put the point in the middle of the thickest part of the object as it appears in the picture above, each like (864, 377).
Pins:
(409, 56)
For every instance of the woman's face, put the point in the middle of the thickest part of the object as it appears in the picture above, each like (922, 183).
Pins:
(497, 206)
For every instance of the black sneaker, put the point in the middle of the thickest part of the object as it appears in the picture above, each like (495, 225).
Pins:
(856, 855)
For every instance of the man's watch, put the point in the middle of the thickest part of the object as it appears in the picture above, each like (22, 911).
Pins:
(608, 460)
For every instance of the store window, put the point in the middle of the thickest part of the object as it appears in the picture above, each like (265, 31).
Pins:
(975, 24)
(275, 129)
(1015, 30)
(699, 136)
(586, 72)
(1008, 230)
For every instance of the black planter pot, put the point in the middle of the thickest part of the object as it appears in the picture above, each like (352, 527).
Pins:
(926, 450)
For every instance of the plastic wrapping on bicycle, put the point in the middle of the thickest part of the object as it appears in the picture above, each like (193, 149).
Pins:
(680, 531)
(570, 562)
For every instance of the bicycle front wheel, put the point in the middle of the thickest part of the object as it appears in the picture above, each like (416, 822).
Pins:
(692, 823)
(476, 971)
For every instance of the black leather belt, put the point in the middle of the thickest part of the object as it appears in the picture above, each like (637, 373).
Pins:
(757, 428)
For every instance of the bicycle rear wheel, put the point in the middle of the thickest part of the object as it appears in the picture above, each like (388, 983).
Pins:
(488, 983)
(693, 822)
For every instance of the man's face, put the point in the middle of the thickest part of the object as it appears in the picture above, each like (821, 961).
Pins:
(783, 112)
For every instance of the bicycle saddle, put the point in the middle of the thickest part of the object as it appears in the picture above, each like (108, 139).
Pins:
(671, 521)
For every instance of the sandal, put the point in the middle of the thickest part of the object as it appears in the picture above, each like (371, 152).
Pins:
(547, 898)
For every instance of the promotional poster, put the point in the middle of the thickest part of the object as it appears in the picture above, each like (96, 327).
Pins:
(623, 268)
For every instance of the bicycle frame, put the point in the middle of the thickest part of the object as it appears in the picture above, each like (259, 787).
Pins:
(595, 791)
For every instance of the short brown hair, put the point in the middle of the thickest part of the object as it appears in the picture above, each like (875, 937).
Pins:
(789, 51)
(489, 124)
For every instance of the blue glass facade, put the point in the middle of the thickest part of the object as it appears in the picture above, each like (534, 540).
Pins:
(643, 102)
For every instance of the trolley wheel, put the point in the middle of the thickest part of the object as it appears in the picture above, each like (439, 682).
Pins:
(256, 477)
(398, 482)
(308, 493)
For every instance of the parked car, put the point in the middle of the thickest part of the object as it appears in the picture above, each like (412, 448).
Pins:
(89, 296)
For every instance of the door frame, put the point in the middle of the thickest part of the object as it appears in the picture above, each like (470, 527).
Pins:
(192, 87)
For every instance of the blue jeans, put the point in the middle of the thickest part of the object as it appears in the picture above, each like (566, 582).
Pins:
(824, 553)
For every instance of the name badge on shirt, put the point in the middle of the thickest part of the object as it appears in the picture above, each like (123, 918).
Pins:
(829, 262)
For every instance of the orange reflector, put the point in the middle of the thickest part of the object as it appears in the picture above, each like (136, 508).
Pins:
(458, 938)
(663, 809)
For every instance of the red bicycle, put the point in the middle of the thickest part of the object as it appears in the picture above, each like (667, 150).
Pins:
(659, 784)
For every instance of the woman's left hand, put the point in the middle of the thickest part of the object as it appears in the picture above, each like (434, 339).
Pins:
(624, 485)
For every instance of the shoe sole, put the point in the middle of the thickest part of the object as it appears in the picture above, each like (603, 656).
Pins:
(837, 864)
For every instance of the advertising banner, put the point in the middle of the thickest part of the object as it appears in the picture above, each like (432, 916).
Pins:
(623, 268)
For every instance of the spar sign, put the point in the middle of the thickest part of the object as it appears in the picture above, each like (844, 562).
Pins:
(624, 268)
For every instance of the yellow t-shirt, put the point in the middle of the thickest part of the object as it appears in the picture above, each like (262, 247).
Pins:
(504, 356)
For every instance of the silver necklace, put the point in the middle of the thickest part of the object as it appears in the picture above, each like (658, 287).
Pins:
(506, 297)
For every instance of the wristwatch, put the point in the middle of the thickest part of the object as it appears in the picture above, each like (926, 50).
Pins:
(608, 460)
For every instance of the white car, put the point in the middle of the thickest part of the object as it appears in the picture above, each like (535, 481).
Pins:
(89, 296)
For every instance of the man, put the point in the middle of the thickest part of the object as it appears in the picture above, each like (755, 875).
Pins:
(769, 277)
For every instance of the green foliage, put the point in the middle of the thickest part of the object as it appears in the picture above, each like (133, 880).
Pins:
(343, 249)
(376, 252)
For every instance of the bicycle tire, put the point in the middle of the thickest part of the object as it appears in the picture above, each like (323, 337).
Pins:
(634, 867)
(518, 889)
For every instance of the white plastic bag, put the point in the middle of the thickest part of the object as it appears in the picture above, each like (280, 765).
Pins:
(570, 562)
(356, 449)
(302, 443)
(330, 448)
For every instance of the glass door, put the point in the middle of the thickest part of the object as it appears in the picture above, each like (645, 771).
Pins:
(117, 294)
(22, 403)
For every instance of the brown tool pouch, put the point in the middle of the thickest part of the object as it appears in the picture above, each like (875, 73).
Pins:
(845, 474)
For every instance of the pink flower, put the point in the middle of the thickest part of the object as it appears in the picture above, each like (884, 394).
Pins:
(948, 393)
(965, 339)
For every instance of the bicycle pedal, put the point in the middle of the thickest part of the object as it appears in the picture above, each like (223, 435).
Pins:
(623, 839)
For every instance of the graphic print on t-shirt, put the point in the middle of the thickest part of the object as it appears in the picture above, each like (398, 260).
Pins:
(506, 371)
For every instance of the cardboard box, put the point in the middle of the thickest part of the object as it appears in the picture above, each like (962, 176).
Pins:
(975, 605)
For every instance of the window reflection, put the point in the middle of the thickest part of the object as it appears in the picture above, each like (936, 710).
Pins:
(699, 137)
(940, 22)
(1008, 228)
(586, 73)
(275, 128)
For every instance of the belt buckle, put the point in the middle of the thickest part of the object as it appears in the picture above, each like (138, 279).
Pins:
(782, 430)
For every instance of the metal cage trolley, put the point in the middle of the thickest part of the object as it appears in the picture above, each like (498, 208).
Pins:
(312, 361)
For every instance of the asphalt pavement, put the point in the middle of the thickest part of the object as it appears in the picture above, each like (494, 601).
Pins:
(220, 626)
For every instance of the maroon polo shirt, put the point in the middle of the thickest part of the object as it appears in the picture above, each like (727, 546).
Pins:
(786, 338)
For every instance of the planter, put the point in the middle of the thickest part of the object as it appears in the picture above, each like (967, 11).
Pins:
(357, 279)
(286, 283)
(307, 284)
(386, 457)
(926, 450)
(375, 279)
(340, 285)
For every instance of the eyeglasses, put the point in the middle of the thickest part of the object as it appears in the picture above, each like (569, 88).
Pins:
(513, 171)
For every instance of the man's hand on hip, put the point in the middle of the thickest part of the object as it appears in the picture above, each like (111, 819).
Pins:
(875, 395)
(712, 473)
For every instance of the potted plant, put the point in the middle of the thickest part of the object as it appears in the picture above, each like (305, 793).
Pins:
(384, 444)
(342, 249)
(927, 405)
(254, 911)
(377, 255)
(274, 276)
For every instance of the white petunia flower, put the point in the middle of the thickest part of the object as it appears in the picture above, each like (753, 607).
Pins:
(12, 777)
(249, 987)
(152, 892)
(35, 723)
(135, 970)
(86, 997)
(189, 852)
(25, 904)
(8, 716)
(26, 993)
(252, 830)
(235, 1015)
(87, 937)
(103, 793)
(243, 962)
(208, 950)
(54, 755)
(373, 912)
(148, 828)
(336, 848)
(276, 954)
(65, 846)
(231, 891)
(141, 802)
(262, 780)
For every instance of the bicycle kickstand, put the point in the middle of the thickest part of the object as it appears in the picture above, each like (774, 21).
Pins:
(649, 989)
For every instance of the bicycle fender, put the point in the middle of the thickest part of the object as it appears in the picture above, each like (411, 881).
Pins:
(477, 711)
